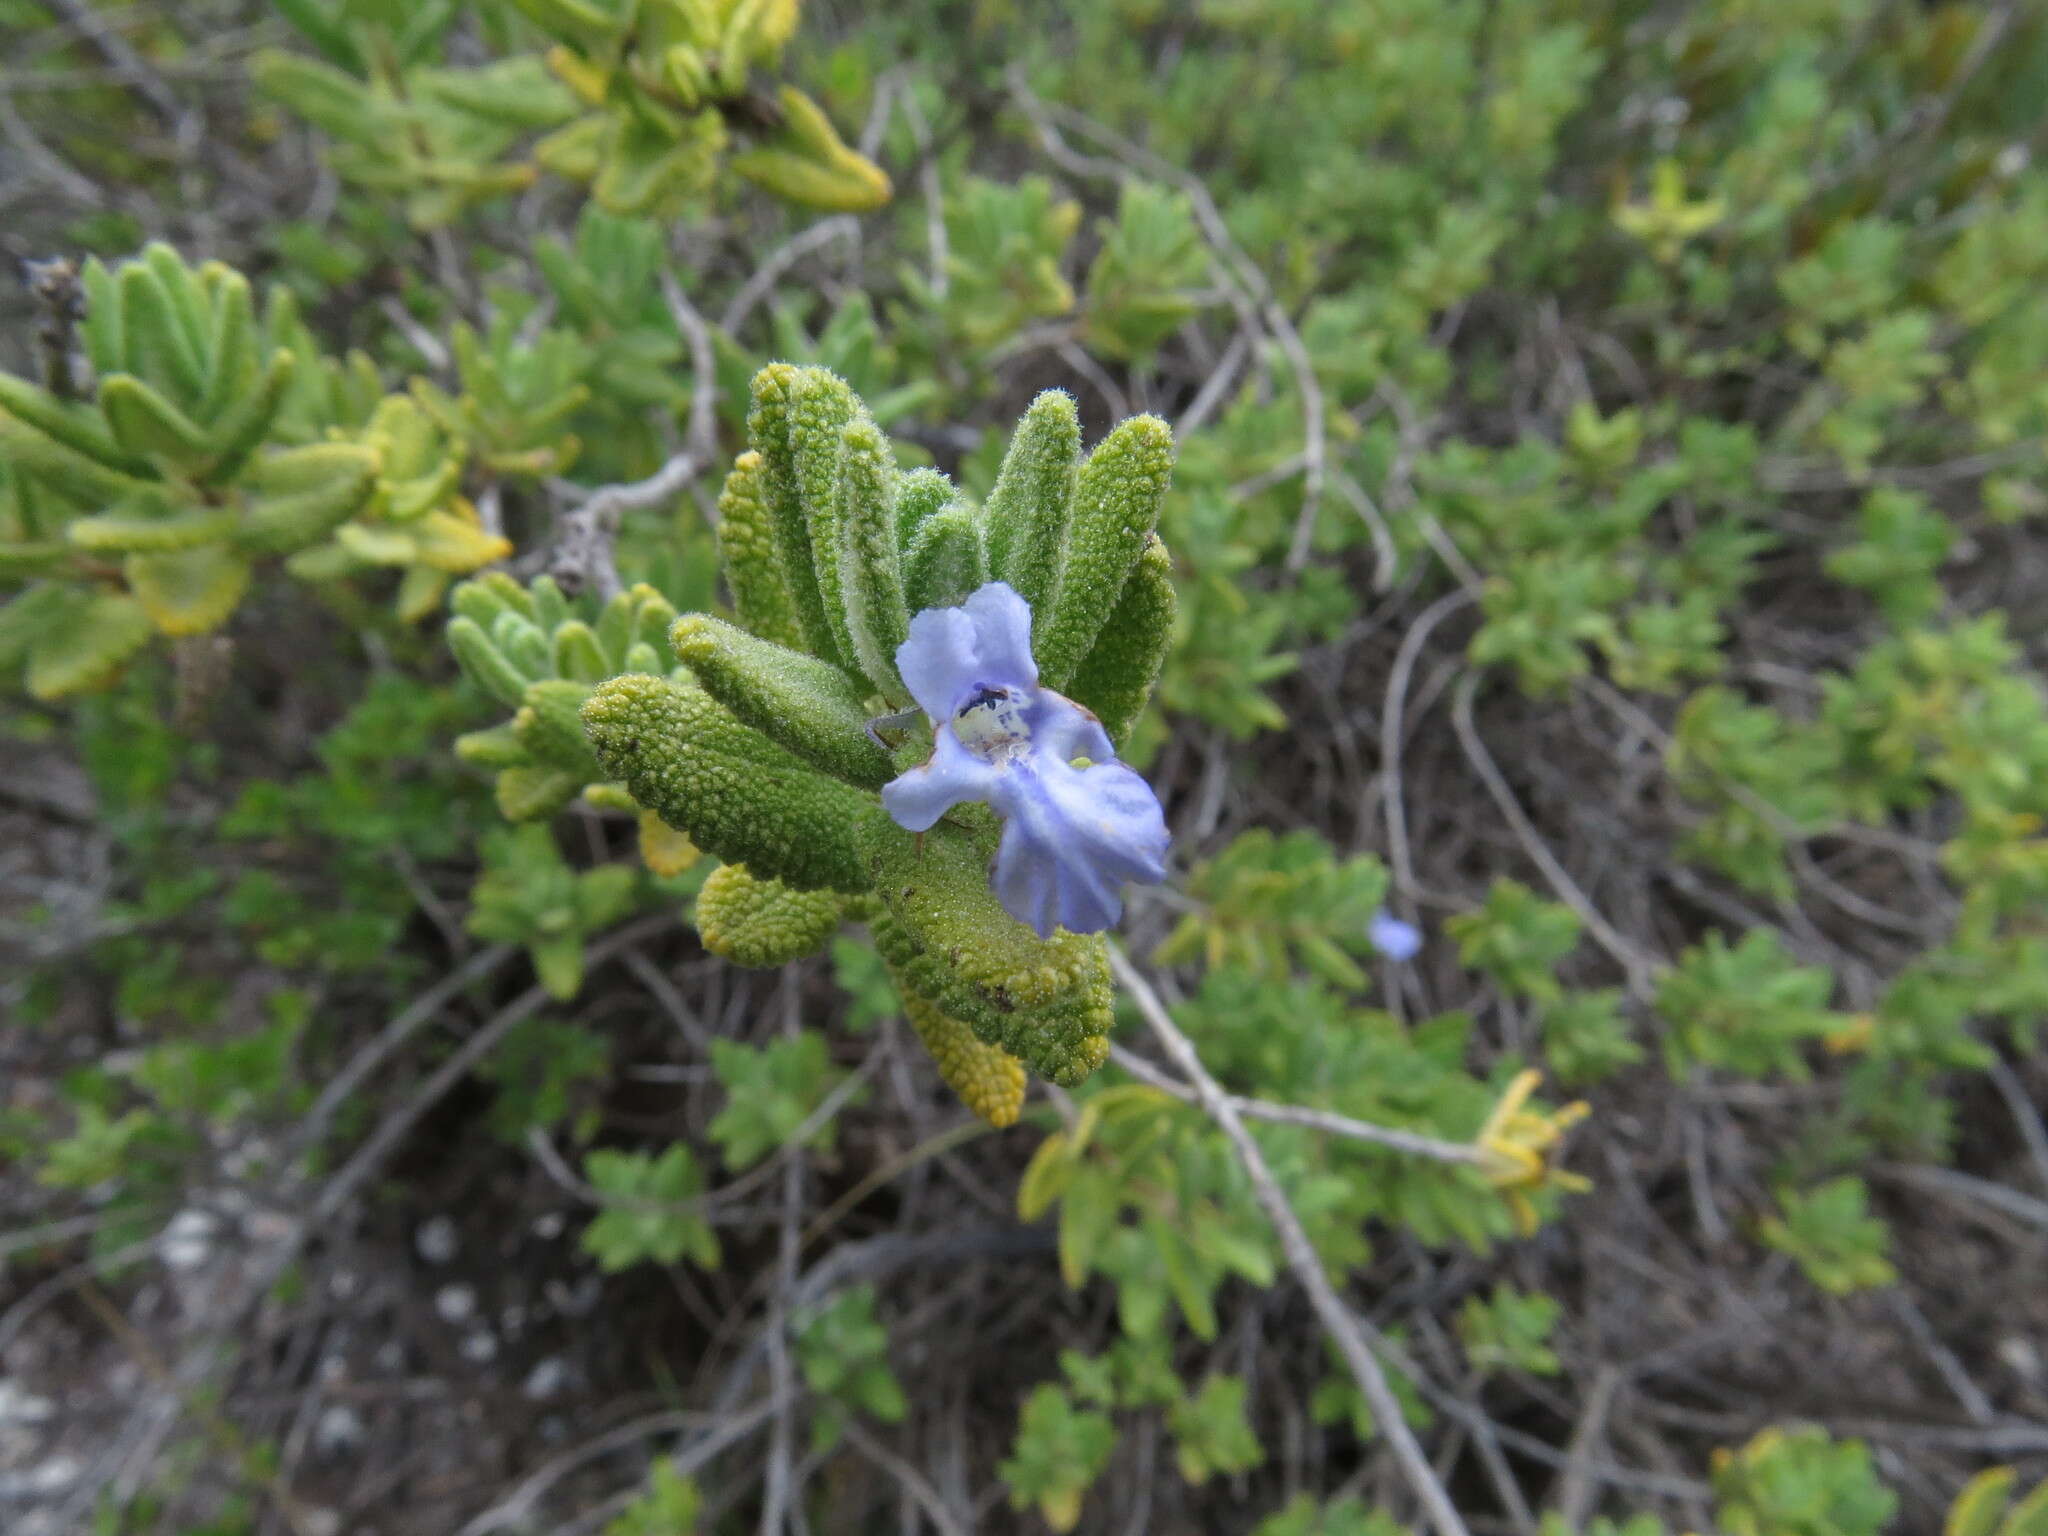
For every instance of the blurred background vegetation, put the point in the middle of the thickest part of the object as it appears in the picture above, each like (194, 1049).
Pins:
(1613, 449)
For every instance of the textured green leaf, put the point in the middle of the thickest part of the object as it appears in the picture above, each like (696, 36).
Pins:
(758, 922)
(920, 496)
(1117, 497)
(1027, 512)
(823, 407)
(240, 429)
(162, 344)
(550, 726)
(141, 528)
(534, 791)
(1117, 678)
(737, 794)
(870, 568)
(578, 654)
(946, 562)
(796, 701)
(777, 390)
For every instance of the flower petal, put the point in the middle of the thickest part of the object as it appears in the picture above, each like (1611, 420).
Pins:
(1026, 881)
(939, 661)
(1075, 835)
(1065, 730)
(1392, 937)
(1002, 635)
(916, 799)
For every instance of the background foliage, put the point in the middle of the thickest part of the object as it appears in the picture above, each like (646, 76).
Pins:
(1607, 533)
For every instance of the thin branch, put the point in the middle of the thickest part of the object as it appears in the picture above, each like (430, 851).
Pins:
(702, 437)
(1640, 968)
(421, 1011)
(840, 226)
(1347, 1331)
(583, 551)
(1390, 734)
(1412, 1142)
(914, 1481)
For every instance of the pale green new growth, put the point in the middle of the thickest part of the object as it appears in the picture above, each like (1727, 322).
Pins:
(1118, 675)
(1116, 503)
(1028, 510)
(550, 726)
(946, 561)
(736, 793)
(529, 650)
(796, 701)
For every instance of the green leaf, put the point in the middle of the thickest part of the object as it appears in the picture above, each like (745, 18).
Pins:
(769, 1094)
(1117, 497)
(871, 578)
(752, 557)
(800, 703)
(1028, 511)
(945, 563)
(653, 1210)
(1117, 678)
(1212, 1433)
(241, 428)
(763, 922)
(1059, 1452)
(779, 395)
(73, 425)
(188, 591)
(1829, 1231)
(486, 665)
(144, 423)
(668, 1507)
(737, 794)
(83, 644)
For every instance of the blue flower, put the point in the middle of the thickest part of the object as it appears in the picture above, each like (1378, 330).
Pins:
(1392, 937)
(1071, 836)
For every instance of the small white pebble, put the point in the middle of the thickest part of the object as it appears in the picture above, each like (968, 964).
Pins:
(2020, 1357)
(2011, 160)
(187, 1240)
(435, 1240)
(338, 1430)
(41, 1481)
(455, 1303)
(550, 1226)
(319, 1522)
(19, 1406)
(343, 1284)
(479, 1346)
(390, 1358)
(546, 1379)
(512, 1321)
